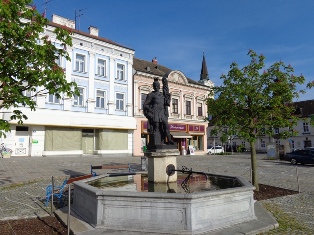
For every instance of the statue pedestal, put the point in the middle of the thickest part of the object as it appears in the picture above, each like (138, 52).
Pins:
(158, 162)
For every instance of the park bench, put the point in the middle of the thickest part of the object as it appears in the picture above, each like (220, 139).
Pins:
(132, 167)
(109, 167)
(58, 191)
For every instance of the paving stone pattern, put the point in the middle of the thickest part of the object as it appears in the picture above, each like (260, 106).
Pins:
(23, 180)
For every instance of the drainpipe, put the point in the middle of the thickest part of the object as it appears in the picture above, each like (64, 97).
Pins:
(133, 80)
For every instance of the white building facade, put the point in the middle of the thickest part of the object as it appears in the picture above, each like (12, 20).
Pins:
(98, 121)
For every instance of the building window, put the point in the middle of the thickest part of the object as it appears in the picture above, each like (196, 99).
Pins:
(80, 63)
(58, 60)
(100, 99)
(276, 130)
(52, 98)
(188, 107)
(21, 128)
(306, 127)
(143, 98)
(79, 100)
(199, 109)
(120, 72)
(175, 105)
(101, 67)
(263, 144)
(292, 144)
(27, 93)
(119, 101)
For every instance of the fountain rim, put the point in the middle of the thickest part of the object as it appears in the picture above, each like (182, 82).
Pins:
(246, 186)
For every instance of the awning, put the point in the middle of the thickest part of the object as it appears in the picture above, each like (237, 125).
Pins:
(178, 134)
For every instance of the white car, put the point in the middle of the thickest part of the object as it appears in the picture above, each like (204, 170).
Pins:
(215, 149)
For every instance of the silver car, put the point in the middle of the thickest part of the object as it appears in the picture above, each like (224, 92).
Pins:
(215, 149)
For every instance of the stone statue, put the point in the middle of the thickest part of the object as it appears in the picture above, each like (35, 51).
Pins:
(156, 111)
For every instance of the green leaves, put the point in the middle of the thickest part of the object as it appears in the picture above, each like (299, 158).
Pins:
(28, 58)
(252, 98)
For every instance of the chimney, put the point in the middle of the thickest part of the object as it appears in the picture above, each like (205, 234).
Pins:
(155, 61)
(63, 21)
(93, 31)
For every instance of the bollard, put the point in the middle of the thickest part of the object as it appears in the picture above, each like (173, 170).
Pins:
(52, 184)
(296, 168)
(69, 209)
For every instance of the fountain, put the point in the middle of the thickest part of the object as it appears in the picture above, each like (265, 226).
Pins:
(156, 202)
(158, 208)
(165, 199)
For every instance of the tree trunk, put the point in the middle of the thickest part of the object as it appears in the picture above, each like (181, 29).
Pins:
(254, 166)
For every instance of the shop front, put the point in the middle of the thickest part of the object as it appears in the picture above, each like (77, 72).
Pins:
(185, 136)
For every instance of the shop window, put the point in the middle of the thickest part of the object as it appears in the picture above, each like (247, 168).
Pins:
(197, 142)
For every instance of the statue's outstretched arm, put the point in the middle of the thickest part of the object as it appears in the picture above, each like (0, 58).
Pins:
(165, 90)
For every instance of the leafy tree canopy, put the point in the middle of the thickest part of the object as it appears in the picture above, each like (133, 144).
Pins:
(28, 59)
(253, 100)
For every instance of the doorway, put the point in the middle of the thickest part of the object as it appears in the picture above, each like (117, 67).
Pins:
(88, 141)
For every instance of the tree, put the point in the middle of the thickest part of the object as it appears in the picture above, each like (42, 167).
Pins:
(29, 59)
(251, 102)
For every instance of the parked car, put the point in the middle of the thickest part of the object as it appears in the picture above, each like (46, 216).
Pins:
(303, 156)
(215, 149)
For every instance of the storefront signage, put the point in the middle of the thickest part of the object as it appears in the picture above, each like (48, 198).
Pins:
(172, 127)
(197, 128)
(177, 127)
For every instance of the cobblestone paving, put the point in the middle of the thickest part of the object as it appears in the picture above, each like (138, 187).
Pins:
(300, 206)
(23, 180)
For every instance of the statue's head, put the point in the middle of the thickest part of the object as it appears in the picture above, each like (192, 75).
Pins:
(156, 84)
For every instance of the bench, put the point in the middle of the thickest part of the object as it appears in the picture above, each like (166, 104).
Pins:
(132, 167)
(59, 190)
(110, 167)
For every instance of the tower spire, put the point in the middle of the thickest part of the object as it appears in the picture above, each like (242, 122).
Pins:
(204, 78)
(204, 72)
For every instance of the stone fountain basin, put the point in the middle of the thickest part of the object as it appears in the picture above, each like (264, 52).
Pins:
(189, 213)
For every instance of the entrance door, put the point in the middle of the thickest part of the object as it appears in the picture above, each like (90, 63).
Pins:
(88, 144)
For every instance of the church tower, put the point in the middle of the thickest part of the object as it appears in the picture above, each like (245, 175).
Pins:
(204, 78)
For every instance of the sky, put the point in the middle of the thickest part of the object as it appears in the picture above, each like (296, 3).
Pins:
(178, 32)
